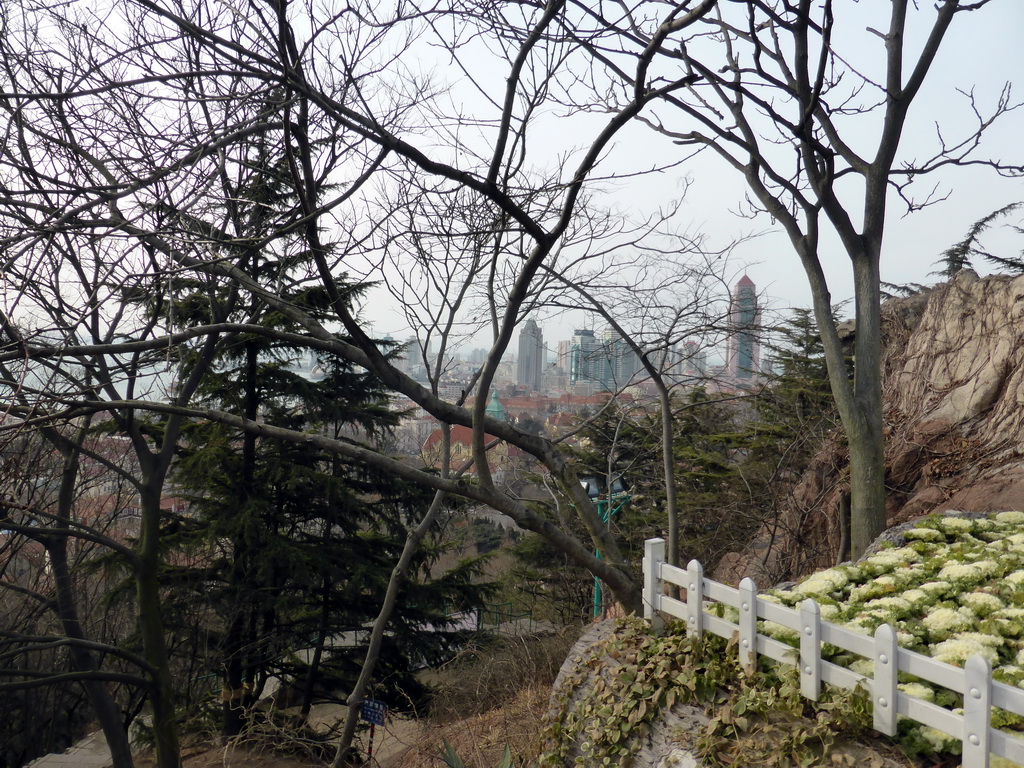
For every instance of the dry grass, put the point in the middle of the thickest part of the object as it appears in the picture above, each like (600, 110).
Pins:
(231, 756)
(488, 697)
(481, 739)
(486, 677)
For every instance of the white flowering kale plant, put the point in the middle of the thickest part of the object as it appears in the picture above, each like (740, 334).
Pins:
(955, 589)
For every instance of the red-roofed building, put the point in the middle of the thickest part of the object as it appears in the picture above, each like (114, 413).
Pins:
(501, 455)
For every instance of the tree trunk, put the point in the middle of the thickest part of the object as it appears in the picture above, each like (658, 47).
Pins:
(233, 693)
(326, 585)
(240, 630)
(151, 627)
(107, 711)
(859, 404)
(318, 651)
(668, 467)
(106, 708)
(867, 489)
(398, 576)
(865, 433)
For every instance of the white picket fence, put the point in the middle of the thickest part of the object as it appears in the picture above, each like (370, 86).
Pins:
(974, 681)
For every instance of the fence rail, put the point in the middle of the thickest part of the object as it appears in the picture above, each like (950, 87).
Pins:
(974, 682)
(501, 615)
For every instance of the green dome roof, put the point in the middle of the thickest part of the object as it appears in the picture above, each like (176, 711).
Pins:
(495, 409)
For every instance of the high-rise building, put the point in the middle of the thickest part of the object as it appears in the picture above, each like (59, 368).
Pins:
(583, 362)
(619, 363)
(695, 360)
(744, 350)
(531, 357)
(609, 364)
(564, 358)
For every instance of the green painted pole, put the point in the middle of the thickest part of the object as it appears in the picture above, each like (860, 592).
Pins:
(602, 510)
(606, 508)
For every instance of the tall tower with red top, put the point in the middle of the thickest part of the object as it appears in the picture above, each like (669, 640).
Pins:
(744, 350)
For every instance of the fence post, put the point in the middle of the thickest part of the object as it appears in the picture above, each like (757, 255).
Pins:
(884, 691)
(748, 625)
(654, 556)
(810, 650)
(695, 598)
(977, 711)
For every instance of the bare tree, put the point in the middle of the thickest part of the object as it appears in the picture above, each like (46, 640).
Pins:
(666, 295)
(81, 286)
(775, 96)
(322, 104)
(64, 518)
(130, 143)
(119, 183)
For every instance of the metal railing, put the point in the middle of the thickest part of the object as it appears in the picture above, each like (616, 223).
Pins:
(500, 617)
(974, 681)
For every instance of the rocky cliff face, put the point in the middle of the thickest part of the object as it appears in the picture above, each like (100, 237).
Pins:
(956, 401)
(954, 387)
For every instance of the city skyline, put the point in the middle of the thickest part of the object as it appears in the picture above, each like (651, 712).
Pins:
(600, 360)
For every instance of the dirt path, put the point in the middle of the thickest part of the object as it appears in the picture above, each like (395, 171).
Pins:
(90, 752)
(391, 748)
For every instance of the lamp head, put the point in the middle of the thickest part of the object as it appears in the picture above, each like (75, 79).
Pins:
(617, 486)
(596, 489)
(592, 486)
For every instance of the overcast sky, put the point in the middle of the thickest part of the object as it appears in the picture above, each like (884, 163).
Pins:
(982, 52)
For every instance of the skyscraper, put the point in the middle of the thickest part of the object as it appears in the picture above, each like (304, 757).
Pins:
(564, 359)
(695, 365)
(583, 364)
(531, 357)
(744, 358)
(620, 362)
(608, 363)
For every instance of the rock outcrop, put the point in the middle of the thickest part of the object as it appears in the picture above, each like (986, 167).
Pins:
(658, 747)
(956, 401)
(668, 741)
(954, 391)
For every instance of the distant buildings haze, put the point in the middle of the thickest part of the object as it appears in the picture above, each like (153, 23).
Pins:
(593, 361)
(548, 390)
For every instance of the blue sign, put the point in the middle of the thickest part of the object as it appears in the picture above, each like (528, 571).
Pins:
(373, 711)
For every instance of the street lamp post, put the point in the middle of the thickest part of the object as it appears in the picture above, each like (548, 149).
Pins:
(608, 504)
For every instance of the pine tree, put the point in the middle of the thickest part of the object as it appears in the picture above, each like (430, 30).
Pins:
(734, 456)
(294, 545)
(795, 410)
(962, 254)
